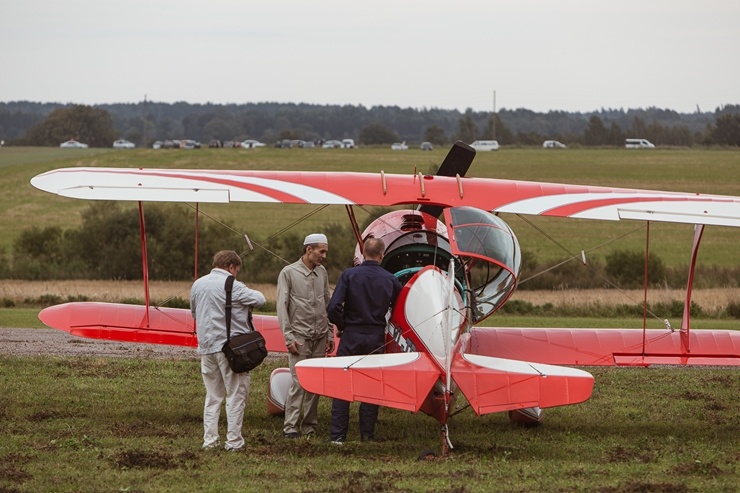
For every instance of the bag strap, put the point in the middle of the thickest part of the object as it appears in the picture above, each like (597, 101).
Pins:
(228, 286)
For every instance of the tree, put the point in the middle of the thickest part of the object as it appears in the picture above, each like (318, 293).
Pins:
(616, 136)
(467, 130)
(502, 135)
(596, 133)
(92, 126)
(377, 134)
(726, 131)
(435, 135)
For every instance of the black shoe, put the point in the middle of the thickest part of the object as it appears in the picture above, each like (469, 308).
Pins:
(338, 441)
(291, 435)
(368, 438)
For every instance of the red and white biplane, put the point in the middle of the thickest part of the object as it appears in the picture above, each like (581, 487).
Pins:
(455, 273)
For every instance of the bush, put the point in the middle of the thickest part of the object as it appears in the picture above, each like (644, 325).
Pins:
(627, 269)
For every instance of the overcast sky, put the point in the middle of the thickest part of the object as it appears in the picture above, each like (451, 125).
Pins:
(570, 55)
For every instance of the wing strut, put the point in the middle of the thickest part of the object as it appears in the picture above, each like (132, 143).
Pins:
(355, 228)
(645, 288)
(686, 320)
(195, 270)
(144, 261)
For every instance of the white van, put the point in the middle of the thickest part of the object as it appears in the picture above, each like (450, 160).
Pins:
(638, 144)
(485, 145)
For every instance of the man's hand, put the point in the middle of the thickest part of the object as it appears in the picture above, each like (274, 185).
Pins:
(293, 347)
(329, 344)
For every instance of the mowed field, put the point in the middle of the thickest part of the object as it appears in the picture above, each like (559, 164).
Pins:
(704, 171)
(91, 424)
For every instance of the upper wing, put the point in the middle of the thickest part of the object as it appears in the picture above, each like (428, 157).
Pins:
(346, 188)
(598, 347)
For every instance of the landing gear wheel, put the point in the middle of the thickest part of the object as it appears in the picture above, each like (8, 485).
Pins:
(427, 455)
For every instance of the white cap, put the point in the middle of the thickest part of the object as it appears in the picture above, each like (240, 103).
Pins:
(315, 238)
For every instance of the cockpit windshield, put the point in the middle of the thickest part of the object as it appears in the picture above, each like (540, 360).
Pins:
(492, 251)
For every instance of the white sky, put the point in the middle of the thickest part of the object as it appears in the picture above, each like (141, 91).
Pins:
(570, 55)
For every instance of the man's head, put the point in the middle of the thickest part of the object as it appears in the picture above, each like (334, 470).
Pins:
(315, 248)
(373, 249)
(228, 260)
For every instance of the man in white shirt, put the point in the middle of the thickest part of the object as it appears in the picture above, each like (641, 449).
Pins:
(208, 306)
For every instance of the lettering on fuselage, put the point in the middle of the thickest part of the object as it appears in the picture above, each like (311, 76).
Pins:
(402, 344)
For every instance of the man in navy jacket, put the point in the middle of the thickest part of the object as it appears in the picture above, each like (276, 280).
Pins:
(358, 307)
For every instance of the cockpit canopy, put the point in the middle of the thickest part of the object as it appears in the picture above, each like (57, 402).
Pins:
(492, 253)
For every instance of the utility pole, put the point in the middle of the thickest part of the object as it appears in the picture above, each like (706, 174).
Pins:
(494, 114)
(146, 144)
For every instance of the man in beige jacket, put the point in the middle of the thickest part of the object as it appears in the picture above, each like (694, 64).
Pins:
(302, 298)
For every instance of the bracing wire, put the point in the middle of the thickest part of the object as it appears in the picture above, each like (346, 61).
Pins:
(582, 256)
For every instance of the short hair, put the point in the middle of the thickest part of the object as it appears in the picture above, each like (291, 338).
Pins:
(225, 259)
(373, 248)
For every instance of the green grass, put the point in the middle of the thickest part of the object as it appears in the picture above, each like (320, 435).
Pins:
(106, 424)
(20, 318)
(706, 171)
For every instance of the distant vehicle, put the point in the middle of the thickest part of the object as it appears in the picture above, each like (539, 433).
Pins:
(123, 144)
(251, 144)
(309, 144)
(189, 144)
(158, 144)
(399, 146)
(297, 143)
(638, 144)
(73, 144)
(215, 143)
(332, 144)
(348, 143)
(426, 146)
(485, 145)
(553, 144)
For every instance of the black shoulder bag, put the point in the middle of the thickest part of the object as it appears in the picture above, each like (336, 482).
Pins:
(245, 351)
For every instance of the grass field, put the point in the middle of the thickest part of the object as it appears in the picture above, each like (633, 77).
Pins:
(107, 424)
(706, 171)
(97, 424)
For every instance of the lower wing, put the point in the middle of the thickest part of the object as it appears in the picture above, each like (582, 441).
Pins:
(608, 347)
(137, 323)
(495, 384)
(405, 380)
(398, 380)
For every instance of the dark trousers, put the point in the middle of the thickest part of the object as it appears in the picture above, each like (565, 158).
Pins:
(354, 344)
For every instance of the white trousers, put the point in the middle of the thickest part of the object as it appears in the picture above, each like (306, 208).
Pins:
(222, 383)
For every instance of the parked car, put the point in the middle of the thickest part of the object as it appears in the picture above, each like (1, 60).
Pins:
(332, 144)
(123, 144)
(158, 144)
(72, 144)
(309, 144)
(348, 143)
(426, 146)
(251, 144)
(189, 144)
(399, 146)
(215, 143)
(485, 145)
(553, 144)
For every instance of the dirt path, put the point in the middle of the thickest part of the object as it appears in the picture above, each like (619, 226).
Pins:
(52, 342)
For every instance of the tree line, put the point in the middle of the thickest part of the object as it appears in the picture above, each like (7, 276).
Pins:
(48, 124)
